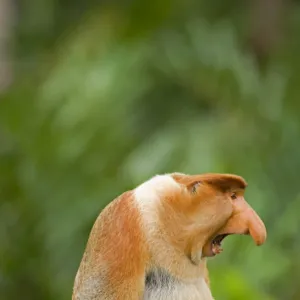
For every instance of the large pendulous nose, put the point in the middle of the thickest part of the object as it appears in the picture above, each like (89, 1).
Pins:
(245, 220)
(256, 227)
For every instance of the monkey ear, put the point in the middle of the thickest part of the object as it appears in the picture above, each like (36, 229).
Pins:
(193, 186)
(191, 182)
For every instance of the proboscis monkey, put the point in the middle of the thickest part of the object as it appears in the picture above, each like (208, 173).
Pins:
(151, 243)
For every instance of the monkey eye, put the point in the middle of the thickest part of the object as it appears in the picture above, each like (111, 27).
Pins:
(233, 196)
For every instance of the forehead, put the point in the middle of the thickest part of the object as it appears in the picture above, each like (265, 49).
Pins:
(226, 184)
(221, 182)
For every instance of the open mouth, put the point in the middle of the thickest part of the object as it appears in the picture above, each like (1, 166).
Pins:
(216, 243)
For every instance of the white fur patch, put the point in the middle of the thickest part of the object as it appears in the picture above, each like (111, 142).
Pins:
(154, 187)
(197, 290)
(150, 191)
(148, 194)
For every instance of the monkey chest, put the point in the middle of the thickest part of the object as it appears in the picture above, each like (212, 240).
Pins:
(161, 286)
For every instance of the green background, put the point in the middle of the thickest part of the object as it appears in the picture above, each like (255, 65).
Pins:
(106, 94)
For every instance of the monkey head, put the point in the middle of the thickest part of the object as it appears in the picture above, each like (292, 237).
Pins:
(212, 207)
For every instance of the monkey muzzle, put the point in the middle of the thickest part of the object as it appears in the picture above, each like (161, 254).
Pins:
(244, 220)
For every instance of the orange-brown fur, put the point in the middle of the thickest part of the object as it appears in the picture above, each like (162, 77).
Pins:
(167, 223)
(113, 233)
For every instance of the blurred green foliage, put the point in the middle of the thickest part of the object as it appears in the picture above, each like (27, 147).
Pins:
(108, 94)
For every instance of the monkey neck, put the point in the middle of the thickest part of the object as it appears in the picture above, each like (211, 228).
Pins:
(172, 256)
(183, 238)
